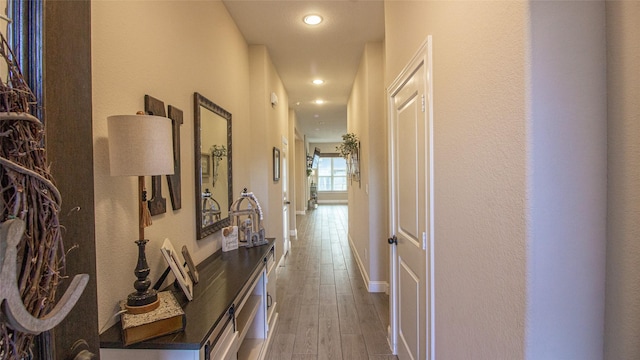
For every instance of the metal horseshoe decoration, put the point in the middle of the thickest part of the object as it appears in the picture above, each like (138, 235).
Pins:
(12, 306)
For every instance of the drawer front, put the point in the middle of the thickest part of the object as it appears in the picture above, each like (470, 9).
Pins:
(226, 347)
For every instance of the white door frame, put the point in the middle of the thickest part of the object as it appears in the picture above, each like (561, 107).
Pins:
(423, 56)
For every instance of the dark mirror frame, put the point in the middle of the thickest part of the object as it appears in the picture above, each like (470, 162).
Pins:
(25, 35)
(201, 101)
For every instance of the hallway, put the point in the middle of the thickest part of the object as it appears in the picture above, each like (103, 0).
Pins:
(325, 311)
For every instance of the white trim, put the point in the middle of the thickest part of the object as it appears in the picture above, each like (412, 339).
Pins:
(293, 233)
(372, 286)
(281, 261)
(301, 212)
(432, 224)
(393, 297)
(333, 201)
(378, 287)
(363, 272)
(391, 346)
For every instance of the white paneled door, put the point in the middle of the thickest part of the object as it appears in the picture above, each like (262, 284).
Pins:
(284, 176)
(411, 215)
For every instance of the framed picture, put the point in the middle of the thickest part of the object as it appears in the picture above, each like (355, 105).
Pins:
(193, 272)
(276, 164)
(205, 164)
(179, 271)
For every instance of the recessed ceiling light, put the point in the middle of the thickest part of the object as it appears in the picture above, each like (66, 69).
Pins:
(318, 81)
(312, 19)
(319, 102)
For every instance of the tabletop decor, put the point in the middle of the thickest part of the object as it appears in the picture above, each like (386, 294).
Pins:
(246, 214)
(179, 270)
(141, 145)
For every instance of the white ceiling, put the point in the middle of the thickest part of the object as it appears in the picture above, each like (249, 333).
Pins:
(331, 51)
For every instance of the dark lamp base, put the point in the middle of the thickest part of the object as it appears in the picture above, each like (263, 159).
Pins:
(144, 299)
(141, 303)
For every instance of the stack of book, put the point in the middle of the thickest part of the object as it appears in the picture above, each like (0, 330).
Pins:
(168, 318)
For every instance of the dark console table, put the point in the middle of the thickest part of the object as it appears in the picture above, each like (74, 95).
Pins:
(232, 314)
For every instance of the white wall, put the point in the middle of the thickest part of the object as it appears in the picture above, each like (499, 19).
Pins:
(622, 321)
(567, 179)
(268, 126)
(168, 50)
(519, 173)
(368, 221)
(375, 182)
(479, 74)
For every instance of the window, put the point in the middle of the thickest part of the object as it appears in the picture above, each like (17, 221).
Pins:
(332, 174)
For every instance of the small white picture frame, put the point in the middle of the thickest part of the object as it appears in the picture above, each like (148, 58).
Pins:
(177, 267)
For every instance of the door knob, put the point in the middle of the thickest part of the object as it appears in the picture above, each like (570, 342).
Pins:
(393, 240)
(287, 202)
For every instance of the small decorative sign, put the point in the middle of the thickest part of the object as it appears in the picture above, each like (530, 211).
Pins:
(229, 238)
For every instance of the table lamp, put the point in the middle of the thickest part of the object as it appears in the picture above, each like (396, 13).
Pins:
(141, 145)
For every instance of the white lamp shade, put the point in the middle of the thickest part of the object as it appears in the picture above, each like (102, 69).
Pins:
(140, 145)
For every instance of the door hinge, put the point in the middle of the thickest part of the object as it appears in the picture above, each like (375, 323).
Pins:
(424, 241)
(423, 104)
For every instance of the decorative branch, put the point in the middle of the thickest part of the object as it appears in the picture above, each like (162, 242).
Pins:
(27, 192)
(350, 150)
(349, 145)
(217, 153)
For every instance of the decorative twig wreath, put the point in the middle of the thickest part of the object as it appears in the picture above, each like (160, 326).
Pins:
(27, 193)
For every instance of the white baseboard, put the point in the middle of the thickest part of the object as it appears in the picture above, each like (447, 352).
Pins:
(372, 286)
(378, 287)
(293, 233)
(301, 212)
(327, 202)
(389, 341)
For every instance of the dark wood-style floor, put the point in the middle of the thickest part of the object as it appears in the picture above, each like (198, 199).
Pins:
(325, 311)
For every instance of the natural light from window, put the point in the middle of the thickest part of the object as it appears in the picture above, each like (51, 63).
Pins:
(332, 174)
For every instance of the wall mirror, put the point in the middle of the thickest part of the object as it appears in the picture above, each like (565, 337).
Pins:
(212, 129)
